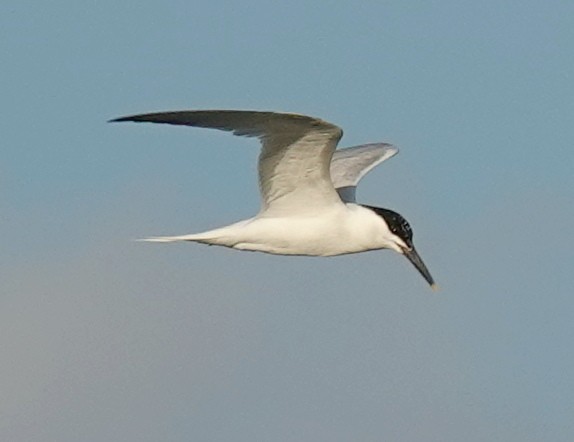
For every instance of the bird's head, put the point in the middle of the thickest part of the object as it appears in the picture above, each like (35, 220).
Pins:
(401, 240)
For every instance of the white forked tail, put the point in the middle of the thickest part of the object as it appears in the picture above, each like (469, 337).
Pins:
(173, 238)
(224, 236)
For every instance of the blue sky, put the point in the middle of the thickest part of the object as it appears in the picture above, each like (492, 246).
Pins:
(104, 338)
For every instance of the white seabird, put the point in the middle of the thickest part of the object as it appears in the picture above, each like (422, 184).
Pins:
(307, 189)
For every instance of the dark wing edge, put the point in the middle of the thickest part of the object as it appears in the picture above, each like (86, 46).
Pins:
(240, 122)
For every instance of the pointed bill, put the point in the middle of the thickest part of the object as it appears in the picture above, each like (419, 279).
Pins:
(416, 260)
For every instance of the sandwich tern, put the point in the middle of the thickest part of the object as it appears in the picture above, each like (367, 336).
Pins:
(307, 189)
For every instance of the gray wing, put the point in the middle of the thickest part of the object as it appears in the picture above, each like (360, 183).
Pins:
(294, 160)
(351, 164)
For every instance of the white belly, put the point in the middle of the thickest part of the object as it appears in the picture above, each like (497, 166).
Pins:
(335, 233)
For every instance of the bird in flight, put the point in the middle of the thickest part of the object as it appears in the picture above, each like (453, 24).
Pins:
(307, 189)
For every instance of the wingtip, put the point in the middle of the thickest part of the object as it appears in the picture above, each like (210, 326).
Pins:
(435, 287)
(120, 119)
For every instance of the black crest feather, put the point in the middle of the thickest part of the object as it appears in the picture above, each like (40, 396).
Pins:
(396, 222)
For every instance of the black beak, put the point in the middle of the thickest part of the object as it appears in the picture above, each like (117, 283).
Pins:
(414, 257)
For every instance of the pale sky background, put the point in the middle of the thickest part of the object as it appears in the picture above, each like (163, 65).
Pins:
(107, 339)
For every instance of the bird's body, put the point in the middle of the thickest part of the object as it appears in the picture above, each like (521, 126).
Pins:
(307, 187)
(342, 229)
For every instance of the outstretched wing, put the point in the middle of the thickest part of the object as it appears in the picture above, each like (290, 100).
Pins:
(294, 161)
(351, 164)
